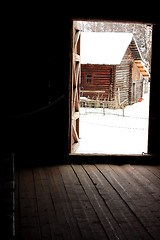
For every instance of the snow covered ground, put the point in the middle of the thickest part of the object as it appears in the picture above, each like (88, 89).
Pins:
(112, 133)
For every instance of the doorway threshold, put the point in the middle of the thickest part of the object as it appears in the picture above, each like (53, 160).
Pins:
(93, 158)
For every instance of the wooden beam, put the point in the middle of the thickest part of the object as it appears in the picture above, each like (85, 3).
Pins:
(77, 102)
(76, 38)
(139, 64)
(77, 57)
(78, 65)
(141, 68)
(96, 91)
(74, 75)
(75, 115)
(75, 146)
(77, 25)
(75, 135)
(75, 99)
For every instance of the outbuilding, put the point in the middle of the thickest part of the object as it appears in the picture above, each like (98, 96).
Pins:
(112, 67)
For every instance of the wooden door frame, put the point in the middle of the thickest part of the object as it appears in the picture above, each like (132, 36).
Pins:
(152, 151)
(74, 82)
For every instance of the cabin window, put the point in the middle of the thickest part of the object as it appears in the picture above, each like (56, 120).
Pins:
(88, 78)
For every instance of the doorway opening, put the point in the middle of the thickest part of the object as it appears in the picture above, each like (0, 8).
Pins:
(111, 73)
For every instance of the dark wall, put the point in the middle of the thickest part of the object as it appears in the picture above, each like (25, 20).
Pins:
(35, 72)
(33, 88)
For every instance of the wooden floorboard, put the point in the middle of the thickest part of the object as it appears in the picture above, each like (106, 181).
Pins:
(136, 201)
(29, 217)
(64, 211)
(124, 217)
(69, 202)
(103, 213)
(89, 224)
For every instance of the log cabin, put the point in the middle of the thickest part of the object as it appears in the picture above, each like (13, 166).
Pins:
(112, 67)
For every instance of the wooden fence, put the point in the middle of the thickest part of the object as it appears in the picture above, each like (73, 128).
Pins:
(101, 104)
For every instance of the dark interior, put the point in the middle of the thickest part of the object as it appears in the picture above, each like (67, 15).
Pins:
(34, 120)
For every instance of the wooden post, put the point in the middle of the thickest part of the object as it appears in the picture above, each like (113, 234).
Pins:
(74, 97)
(123, 109)
(85, 107)
(103, 107)
(130, 84)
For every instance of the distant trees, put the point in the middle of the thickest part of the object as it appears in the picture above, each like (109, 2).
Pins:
(141, 32)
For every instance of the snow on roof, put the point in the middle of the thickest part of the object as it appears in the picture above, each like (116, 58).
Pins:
(104, 47)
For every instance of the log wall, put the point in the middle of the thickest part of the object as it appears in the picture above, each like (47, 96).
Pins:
(127, 74)
(123, 75)
(102, 80)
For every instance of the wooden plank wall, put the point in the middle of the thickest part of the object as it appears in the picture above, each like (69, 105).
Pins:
(138, 80)
(126, 74)
(123, 76)
(102, 77)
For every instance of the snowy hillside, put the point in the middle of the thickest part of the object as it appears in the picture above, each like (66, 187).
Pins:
(114, 134)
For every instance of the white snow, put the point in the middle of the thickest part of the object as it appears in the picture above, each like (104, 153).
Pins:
(85, 99)
(114, 134)
(104, 47)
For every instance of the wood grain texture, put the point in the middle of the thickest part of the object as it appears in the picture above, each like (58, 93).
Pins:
(99, 201)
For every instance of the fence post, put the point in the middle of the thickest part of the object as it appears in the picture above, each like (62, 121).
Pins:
(103, 108)
(85, 107)
(123, 109)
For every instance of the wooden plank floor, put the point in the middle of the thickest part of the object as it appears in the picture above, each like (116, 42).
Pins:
(76, 202)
